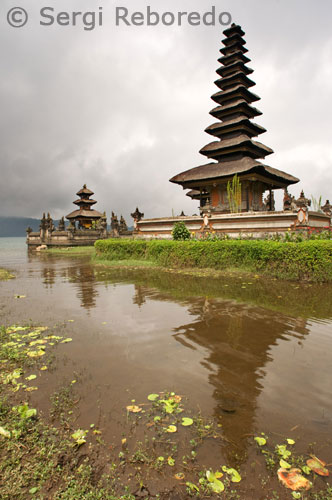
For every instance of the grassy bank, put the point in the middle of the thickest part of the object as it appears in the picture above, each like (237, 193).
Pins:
(306, 260)
(85, 250)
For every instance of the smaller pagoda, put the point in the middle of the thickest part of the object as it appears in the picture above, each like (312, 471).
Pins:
(85, 216)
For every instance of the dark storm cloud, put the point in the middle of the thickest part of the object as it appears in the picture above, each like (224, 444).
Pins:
(124, 109)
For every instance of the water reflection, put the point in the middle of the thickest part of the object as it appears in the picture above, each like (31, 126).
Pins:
(237, 341)
(240, 339)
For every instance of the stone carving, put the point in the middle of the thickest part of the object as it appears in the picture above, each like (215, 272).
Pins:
(269, 203)
(289, 201)
(43, 223)
(61, 225)
(327, 208)
(49, 223)
(114, 223)
(302, 201)
(137, 215)
(123, 226)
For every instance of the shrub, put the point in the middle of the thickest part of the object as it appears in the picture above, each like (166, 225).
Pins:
(180, 231)
(291, 260)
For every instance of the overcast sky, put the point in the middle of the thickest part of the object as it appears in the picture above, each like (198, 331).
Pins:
(124, 108)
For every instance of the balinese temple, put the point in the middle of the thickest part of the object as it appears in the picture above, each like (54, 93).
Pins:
(84, 215)
(234, 151)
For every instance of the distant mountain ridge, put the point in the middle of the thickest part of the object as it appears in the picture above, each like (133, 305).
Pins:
(16, 226)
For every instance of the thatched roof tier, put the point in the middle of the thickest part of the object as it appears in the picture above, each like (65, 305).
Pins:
(237, 66)
(235, 145)
(234, 39)
(239, 107)
(194, 194)
(214, 171)
(235, 79)
(239, 125)
(84, 190)
(234, 28)
(235, 47)
(84, 214)
(238, 92)
(237, 56)
(84, 201)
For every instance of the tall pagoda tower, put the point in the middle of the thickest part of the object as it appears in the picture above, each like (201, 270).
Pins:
(234, 151)
(84, 215)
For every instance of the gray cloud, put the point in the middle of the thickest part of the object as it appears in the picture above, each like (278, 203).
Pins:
(124, 109)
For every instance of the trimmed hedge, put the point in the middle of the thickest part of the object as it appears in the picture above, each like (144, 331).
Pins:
(305, 260)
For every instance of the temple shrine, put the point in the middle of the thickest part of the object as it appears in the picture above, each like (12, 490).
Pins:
(234, 151)
(236, 159)
(85, 227)
(85, 216)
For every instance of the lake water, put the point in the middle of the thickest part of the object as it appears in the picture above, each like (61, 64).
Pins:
(253, 354)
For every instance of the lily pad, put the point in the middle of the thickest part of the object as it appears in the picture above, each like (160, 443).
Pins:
(284, 464)
(293, 479)
(153, 397)
(260, 440)
(179, 476)
(186, 421)
(235, 476)
(79, 436)
(216, 485)
(134, 408)
(317, 466)
(36, 354)
(65, 341)
(290, 441)
(171, 428)
(171, 461)
(31, 377)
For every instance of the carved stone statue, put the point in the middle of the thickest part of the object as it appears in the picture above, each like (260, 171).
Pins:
(288, 201)
(61, 225)
(137, 215)
(103, 221)
(43, 223)
(49, 223)
(269, 203)
(123, 225)
(327, 208)
(114, 223)
(302, 201)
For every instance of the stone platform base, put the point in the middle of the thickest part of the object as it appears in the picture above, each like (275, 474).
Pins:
(256, 224)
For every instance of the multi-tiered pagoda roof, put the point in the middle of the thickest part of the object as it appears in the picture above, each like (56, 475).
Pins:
(84, 214)
(234, 151)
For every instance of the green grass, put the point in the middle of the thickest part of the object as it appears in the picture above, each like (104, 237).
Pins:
(306, 260)
(85, 250)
